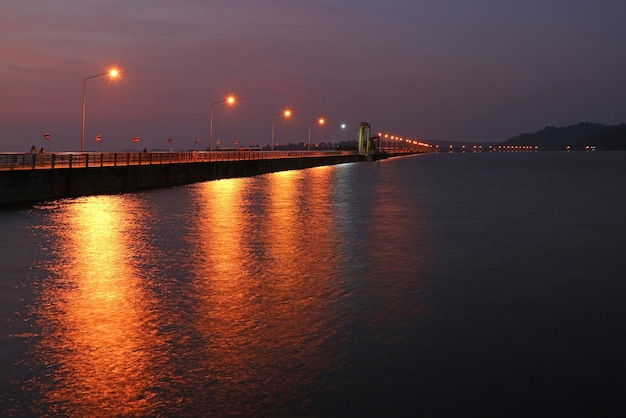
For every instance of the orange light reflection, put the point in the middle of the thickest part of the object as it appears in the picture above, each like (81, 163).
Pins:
(96, 312)
(225, 312)
(262, 280)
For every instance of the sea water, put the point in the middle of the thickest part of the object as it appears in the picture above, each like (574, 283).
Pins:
(434, 285)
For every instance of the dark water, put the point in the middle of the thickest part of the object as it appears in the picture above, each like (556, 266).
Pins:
(437, 285)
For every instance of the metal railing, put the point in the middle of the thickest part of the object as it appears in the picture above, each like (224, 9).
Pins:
(25, 161)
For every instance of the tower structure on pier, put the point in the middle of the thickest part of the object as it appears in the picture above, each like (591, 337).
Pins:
(365, 142)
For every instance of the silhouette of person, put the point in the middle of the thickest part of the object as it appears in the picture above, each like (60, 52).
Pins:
(33, 150)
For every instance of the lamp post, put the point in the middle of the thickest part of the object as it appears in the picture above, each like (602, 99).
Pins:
(286, 114)
(113, 73)
(230, 100)
(342, 126)
(320, 121)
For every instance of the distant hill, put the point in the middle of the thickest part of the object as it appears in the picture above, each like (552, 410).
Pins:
(577, 137)
(613, 138)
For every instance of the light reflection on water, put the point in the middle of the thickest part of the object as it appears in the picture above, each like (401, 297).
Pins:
(428, 286)
(240, 305)
(261, 287)
(95, 311)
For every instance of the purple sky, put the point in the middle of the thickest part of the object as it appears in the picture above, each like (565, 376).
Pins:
(479, 70)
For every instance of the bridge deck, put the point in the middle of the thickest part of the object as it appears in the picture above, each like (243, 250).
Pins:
(21, 161)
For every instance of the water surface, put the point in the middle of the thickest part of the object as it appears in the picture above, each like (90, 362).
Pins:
(436, 285)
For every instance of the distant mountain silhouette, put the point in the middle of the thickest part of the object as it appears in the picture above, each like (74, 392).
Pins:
(613, 138)
(577, 137)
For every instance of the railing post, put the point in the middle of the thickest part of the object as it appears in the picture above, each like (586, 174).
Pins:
(52, 160)
(70, 160)
(86, 160)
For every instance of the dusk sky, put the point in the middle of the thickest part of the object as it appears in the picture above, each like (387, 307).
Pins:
(473, 70)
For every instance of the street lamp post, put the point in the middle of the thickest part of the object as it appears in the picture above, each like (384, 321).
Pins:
(286, 114)
(342, 126)
(113, 73)
(320, 121)
(230, 100)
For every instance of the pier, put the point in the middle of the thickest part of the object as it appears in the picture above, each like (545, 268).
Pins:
(31, 178)
(37, 177)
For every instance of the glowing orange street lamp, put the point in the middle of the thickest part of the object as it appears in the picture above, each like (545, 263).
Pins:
(320, 121)
(285, 114)
(112, 73)
(229, 100)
